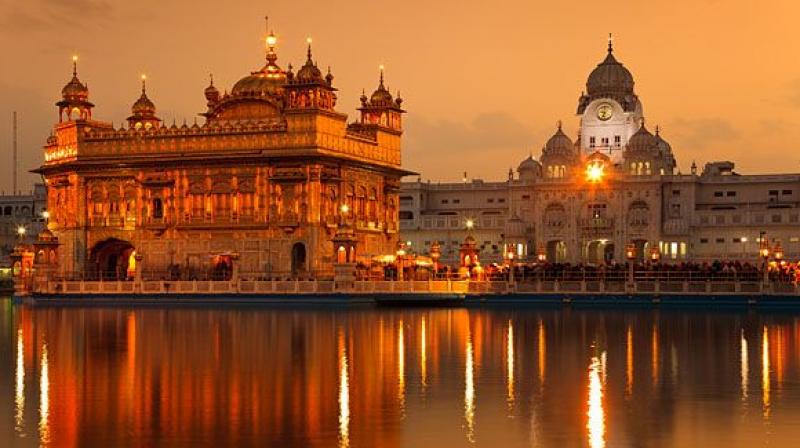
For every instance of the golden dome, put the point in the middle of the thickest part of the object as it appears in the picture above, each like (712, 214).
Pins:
(75, 90)
(309, 73)
(143, 107)
(269, 80)
(381, 96)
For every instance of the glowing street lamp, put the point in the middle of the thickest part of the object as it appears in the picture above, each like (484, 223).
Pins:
(21, 231)
(778, 252)
(630, 254)
(655, 254)
(470, 224)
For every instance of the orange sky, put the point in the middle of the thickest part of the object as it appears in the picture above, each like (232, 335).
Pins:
(484, 82)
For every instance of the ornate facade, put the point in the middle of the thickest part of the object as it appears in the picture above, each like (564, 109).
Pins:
(615, 185)
(260, 184)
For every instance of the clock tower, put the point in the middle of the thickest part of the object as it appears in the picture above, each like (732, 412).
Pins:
(610, 112)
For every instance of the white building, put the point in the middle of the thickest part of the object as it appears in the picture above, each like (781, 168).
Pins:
(22, 210)
(615, 185)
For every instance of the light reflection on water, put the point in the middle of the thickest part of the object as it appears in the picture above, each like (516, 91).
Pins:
(597, 420)
(390, 377)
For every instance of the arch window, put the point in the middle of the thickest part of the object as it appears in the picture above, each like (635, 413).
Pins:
(158, 208)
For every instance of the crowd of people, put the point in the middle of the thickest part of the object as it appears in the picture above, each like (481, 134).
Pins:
(681, 271)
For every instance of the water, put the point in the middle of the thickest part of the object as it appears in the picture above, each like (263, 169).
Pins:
(367, 377)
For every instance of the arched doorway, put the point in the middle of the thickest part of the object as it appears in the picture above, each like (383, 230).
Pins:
(556, 251)
(298, 259)
(113, 259)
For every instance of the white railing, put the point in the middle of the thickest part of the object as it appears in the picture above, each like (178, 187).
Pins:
(299, 287)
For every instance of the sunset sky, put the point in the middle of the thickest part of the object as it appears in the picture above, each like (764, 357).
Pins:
(484, 82)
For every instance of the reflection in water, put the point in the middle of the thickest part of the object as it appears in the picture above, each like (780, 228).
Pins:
(596, 424)
(654, 349)
(344, 395)
(469, 392)
(19, 389)
(401, 369)
(510, 367)
(423, 356)
(745, 368)
(44, 398)
(765, 384)
(542, 352)
(629, 361)
(325, 377)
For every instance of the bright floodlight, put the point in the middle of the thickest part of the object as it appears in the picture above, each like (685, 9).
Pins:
(344, 208)
(21, 230)
(470, 224)
(594, 172)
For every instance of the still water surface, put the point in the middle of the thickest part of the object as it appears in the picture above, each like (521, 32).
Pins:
(366, 377)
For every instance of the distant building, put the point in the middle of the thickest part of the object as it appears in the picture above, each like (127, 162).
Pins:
(20, 211)
(615, 185)
(261, 183)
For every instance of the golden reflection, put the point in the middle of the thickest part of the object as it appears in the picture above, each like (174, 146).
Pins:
(401, 370)
(745, 368)
(603, 365)
(596, 423)
(765, 385)
(542, 351)
(469, 393)
(19, 390)
(344, 395)
(44, 399)
(629, 362)
(656, 359)
(423, 356)
(510, 366)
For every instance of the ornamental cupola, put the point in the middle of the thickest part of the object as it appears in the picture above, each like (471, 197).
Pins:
(143, 111)
(643, 156)
(211, 92)
(558, 155)
(308, 89)
(610, 80)
(381, 108)
(74, 104)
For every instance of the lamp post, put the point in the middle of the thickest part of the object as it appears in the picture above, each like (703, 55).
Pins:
(630, 255)
(764, 253)
(21, 231)
(401, 253)
(510, 257)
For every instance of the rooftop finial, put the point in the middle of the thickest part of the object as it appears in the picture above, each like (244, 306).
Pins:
(610, 43)
(658, 130)
(559, 125)
(271, 40)
(381, 67)
(75, 65)
(308, 41)
(144, 83)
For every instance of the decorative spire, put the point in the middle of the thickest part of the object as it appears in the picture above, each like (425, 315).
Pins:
(144, 84)
(75, 65)
(658, 130)
(610, 43)
(381, 67)
(559, 125)
(308, 53)
(211, 79)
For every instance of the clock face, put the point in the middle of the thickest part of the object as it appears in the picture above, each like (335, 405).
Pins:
(605, 111)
